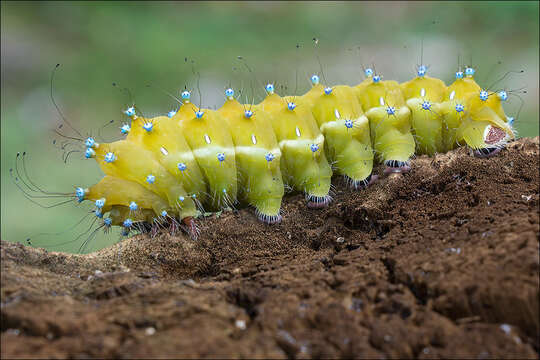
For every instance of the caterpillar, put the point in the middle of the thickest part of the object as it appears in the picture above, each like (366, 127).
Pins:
(168, 170)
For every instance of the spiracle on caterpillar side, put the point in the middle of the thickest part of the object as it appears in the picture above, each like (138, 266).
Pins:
(200, 168)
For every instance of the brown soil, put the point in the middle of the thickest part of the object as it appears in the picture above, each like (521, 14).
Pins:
(440, 262)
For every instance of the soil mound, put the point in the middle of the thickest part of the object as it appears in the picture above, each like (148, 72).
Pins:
(440, 262)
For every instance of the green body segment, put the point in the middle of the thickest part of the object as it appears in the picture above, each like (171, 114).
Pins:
(345, 129)
(170, 147)
(390, 133)
(209, 138)
(257, 158)
(296, 131)
(456, 95)
(424, 95)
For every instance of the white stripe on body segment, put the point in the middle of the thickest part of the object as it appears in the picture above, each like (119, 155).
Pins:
(299, 143)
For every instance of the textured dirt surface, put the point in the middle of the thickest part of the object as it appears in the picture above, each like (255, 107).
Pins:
(440, 262)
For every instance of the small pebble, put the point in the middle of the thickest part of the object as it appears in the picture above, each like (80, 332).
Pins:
(150, 331)
(241, 324)
(340, 240)
(506, 328)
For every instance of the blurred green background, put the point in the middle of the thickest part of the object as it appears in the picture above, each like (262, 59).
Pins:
(136, 44)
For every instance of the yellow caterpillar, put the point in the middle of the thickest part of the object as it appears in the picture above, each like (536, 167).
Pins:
(171, 168)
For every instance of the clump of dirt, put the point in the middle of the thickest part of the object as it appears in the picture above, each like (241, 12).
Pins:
(440, 262)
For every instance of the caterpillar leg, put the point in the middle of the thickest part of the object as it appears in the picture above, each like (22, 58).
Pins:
(268, 210)
(395, 166)
(316, 178)
(191, 227)
(486, 152)
(361, 184)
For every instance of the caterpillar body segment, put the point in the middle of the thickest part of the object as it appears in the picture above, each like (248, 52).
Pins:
(423, 95)
(129, 161)
(453, 109)
(209, 138)
(172, 150)
(303, 162)
(389, 121)
(346, 131)
(111, 191)
(260, 182)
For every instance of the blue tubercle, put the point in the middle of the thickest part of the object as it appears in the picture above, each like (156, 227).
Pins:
(125, 129)
(368, 72)
(459, 74)
(80, 193)
(171, 113)
(186, 95)
(460, 108)
(150, 179)
(181, 198)
(182, 166)
(163, 213)
(110, 157)
(484, 95)
(503, 95)
(199, 114)
(100, 203)
(221, 157)
(98, 213)
(107, 222)
(314, 147)
(130, 111)
(327, 90)
(90, 142)
(133, 206)
(89, 153)
(229, 93)
(269, 157)
(469, 71)
(426, 105)
(390, 110)
(248, 113)
(291, 106)
(349, 124)
(422, 69)
(148, 126)
(269, 88)
(315, 79)
(127, 223)
(376, 78)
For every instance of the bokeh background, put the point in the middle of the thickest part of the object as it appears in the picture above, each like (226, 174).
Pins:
(141, 44)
